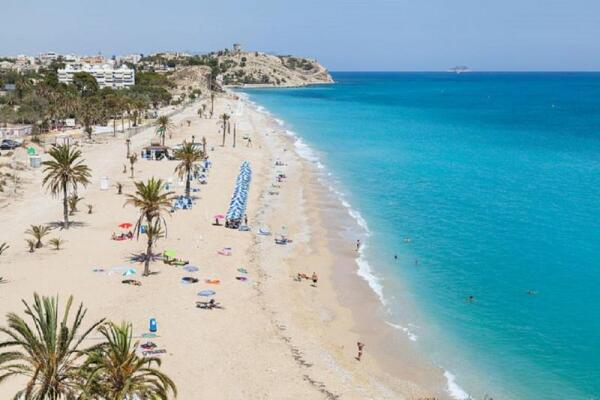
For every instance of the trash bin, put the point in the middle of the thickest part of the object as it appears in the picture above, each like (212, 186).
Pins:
(104, 183)
(35, 161)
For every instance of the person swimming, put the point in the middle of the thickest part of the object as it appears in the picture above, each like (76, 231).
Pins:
(471, 299)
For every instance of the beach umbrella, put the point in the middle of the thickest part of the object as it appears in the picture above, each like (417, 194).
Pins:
(219, 216)
(129, 272)
(125, 225)
(169, 253)
(206, 293)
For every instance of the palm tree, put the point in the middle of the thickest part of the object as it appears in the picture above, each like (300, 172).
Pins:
(47, 352)
(115, 370)
(88, 113)
(204, 145)
(38, 232)
(152, 202)
(163, 124)
(65, 170)
(225, 117)
(30, 245)
(56, 242)
(73, 201)
(189, 156)
(132, 160)
(212, 103)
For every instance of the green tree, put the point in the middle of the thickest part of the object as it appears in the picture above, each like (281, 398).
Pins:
(163, 124)
(88, 111)
(66, 170)
(115, 371)
(38, 232)
(152, 201)
(46, 352)
(224, 117)
(85, 84)
(132, 160)
(188, 155)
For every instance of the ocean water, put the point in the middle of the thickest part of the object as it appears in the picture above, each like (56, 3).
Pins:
(484, 185)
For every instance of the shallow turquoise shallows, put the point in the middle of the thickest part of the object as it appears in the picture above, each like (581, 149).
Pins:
(483, 185)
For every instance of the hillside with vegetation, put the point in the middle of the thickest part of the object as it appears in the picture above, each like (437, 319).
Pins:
(236, 68)
(254, 68)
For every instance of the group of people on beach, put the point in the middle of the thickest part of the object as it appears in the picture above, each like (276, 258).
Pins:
(314, 278)
(122, 236)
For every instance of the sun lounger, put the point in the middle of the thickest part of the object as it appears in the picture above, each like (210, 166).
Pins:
(241, 278)
(208, 305)
(153, 352)
(264, 232)
(189, 279)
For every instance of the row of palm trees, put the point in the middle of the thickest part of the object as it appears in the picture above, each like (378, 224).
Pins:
(47, 350)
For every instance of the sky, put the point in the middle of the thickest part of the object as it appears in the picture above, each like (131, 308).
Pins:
(343, 35)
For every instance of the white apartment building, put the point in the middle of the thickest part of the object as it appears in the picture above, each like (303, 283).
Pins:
(48, 57)
(130, 58)
(106, 75)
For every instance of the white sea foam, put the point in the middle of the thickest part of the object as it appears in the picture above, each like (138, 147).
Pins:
(404, 329)
(455, 391)
(365, 270)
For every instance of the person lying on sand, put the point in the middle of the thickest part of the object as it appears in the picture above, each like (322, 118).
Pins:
(131, 282)
(302, 276)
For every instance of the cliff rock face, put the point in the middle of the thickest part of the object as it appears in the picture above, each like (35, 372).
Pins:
(260, 69)
(190, 78)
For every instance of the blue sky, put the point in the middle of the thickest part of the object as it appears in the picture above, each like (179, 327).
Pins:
(342, 34)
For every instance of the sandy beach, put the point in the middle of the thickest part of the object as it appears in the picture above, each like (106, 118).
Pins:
(276, 337)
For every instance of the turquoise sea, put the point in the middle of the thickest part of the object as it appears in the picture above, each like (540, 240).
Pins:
(484, 185)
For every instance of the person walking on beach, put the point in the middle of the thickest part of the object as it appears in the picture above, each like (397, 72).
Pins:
(358, 245)
(314, 278)
(360, 346)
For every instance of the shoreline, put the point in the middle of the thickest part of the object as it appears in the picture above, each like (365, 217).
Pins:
(366, 305)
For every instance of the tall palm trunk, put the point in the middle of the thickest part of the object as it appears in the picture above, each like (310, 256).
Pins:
(187, 182)
(114, 126)
(65, 206)
(148, 255)
(224, 131)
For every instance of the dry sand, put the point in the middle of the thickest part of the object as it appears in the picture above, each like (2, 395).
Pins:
(276, 338)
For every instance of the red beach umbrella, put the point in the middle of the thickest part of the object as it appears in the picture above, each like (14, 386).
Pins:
(125, 225)
(219, 216)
